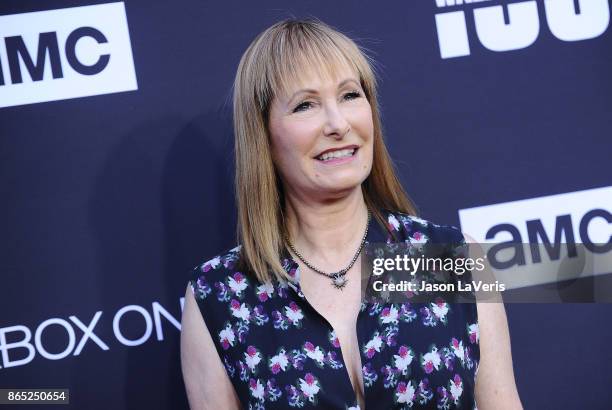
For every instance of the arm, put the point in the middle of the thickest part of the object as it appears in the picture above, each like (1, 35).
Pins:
(206, 381)
(495, 384)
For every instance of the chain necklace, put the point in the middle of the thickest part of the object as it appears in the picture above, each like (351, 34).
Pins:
(338, 279)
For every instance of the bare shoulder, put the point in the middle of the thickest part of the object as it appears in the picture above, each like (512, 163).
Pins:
(495, 383)
(207, 383)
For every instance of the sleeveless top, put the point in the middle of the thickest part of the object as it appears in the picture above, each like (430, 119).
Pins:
(280, 353)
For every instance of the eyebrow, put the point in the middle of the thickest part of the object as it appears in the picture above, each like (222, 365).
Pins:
(310, 90)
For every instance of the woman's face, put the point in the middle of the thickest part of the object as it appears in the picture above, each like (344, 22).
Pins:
(322, 136)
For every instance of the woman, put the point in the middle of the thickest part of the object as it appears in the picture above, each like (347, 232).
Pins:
(267, 324)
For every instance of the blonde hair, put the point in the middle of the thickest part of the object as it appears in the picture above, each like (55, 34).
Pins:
(263, 72)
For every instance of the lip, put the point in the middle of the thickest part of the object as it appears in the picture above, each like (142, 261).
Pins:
(339, 161)
(353, 146)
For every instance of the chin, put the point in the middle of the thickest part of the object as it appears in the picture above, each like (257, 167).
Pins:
(345, 185)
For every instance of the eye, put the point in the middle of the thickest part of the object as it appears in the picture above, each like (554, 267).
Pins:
(305, 104)
(352, 95)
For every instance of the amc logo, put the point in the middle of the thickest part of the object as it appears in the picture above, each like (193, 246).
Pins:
(17, 51)
(65, 53)
(565, 227)
(518, 25)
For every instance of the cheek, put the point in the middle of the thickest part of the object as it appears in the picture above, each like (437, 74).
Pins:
(298, 140)
(361, 119)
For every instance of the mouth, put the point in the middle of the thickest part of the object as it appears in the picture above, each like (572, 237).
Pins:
(336, 154)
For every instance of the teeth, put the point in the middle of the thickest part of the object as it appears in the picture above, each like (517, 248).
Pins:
(337, 154)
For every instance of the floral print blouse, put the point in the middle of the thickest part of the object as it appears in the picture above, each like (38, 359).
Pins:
(279, 353)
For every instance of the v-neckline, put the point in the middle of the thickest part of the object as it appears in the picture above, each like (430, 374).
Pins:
(376, 234)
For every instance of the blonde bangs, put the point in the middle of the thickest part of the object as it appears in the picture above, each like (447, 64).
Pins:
(275, 64)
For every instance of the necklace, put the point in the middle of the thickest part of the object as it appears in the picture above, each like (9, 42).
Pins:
(338, 279)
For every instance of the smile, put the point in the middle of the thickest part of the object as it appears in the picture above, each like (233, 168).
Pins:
(333, 156)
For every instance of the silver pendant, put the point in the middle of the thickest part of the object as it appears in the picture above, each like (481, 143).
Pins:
(339, 281)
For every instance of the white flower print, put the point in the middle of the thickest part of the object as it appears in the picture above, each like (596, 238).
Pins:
(405, 393)
(458, 349)
(439, 309)
(314, 352)
(265, 291)
(252, 357)
(474, 333)
(237, 283)
(309, 386)
(227, 336)
(403, 359)
(211, 264)
(241, 311)
(419, 220)
(257, 389)
(418, 238)
(456, 388)
(279, 362)
(389, 315)
(373, 346)
(294, 313)
(431, 360)
(394, 222)
(416, 355)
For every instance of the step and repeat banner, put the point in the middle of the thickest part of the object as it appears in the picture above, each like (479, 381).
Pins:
(116, 173)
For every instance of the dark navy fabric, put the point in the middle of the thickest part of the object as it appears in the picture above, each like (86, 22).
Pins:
(280, 353)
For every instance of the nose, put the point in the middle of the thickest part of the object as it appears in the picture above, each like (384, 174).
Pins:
(336, 124)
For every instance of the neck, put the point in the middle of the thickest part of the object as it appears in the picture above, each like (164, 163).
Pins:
(327, 232)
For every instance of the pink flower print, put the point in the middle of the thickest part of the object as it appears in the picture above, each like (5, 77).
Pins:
(393, 222)
(418, 238)
(403, 359)
(227, 337)
(265, 291)
(240, 311)
(315, 353)
(458, 349)
(211, 264)
(405, 393)
(431, 360)
(257, 389)
(279, 362)
(333, 339)
(440, 310)
(294, 313)
(456, 388)
(389, 315)
(252, 357)
(373, 346)
(237, 283)
(309, 386)
(454, 343)
(474, 333)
